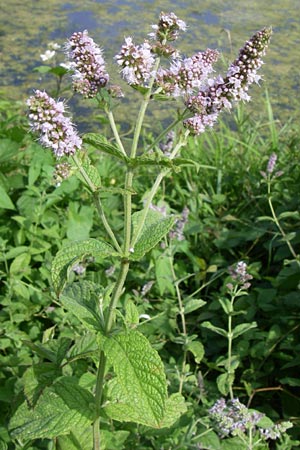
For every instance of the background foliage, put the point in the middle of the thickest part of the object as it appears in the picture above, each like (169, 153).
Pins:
(229, 220)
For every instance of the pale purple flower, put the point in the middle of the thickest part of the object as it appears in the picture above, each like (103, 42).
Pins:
(270, 168)
(199, 123)
(136, 62)
(168, 28)
(239, 274)
(184, 76)
(177, 232)
(221, 93)
(88, 64)
(271, 163)
(62, 172)
(56, 131)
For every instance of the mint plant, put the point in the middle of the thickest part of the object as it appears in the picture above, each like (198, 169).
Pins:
(129, 383)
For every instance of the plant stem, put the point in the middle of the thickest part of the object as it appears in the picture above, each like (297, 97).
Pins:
(183, 323)
(97, 202)
(115, 131)
(230, 372)
(278, 224)
(124, 266)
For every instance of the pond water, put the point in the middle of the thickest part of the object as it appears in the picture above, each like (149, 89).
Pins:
(27, 27)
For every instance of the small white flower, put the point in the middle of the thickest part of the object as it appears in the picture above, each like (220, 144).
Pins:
(47, 55)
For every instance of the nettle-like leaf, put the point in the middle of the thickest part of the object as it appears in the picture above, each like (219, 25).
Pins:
(101, 143)
(175, 407)
(73, 253)
(138, 393)
(63, 407)
(91, 172)
(77, 439)
(82, 301)
(154, 229)
(243, 328)
(215, 329)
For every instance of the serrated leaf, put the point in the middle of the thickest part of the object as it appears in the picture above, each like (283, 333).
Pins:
(217, 330)
(131, 313)
(61, 408)
(243, 328)
(193, 304)
(37, 378)
(101, 143)
(73, 253)
(224, 381)
(5, 201)
(152, 233)
(139, 391)
(91, 172)
(226, 305)
(77, 439)
(79, 299)
(175, 407)
(197, 349)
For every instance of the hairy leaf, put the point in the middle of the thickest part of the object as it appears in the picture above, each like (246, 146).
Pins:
(138, 392)
(154, 229)
(79, 298)
(73, 253)
(61, 408)
(101, 143)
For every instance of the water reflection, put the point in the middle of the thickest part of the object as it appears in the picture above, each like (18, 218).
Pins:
(109, 21)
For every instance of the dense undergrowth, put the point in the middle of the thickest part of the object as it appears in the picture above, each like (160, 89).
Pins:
(178, 285)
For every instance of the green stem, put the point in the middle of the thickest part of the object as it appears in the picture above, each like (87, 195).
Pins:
(115, 131)
(101, 213)
(183, 323)
(278, 224)
(97, 202)
(154, 190)
(229, 351)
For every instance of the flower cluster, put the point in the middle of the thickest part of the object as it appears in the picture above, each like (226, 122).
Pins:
(136, 62)
(62, 172)
(50, 52)
(177, 232)
(56, 131)
(88, 64)
(239, 275)
(271, 167)
(168, 28)
(222, 93)
(184, 76)
(233, 418)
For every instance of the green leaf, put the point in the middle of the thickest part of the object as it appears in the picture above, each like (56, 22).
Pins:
(73, 253)
(131, 313)
(226, 305)
(5, 201)
(101, 143)
(82, 301)
(175, 407)
(197, 349)
(37, 378)
(77, 439)
(91, 172)
(193, 304)
(20, 264)
(224, 381)
(217, 330)
(139, 391)
(61, 408)
(243, 328)
(155, 228)
(8, 149)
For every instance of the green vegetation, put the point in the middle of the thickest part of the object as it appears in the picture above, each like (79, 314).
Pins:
(149, 295)
(230, 220)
